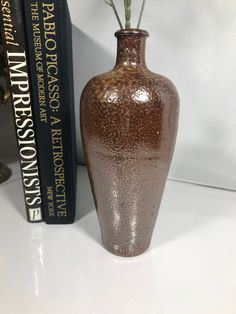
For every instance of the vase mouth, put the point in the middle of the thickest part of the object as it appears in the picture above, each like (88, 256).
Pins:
(131, 32)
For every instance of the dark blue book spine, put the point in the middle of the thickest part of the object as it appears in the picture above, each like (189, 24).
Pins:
(48, 32)
(13, 36)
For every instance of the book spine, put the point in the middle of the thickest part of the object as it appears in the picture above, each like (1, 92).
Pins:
(12, 31)
(48, 37)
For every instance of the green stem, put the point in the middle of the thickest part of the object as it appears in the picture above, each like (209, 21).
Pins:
(141, 13)
(127, 4)
(112, 4)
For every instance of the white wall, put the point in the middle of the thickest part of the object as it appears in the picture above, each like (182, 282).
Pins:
(194, 44)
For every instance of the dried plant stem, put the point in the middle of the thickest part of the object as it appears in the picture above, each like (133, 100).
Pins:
(112, 4)
(141, 13)
(127, 4)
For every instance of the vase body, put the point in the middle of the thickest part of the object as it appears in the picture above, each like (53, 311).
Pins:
(129, 120)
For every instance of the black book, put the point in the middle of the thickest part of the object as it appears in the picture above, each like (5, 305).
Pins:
(48, 33)
(12, 32)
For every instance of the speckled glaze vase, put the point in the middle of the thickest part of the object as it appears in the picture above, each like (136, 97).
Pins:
(129, 119)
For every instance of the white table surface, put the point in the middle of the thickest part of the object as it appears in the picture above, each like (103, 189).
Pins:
(190, 267)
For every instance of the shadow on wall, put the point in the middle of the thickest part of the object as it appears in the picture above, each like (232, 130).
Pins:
(209, 150)
(90, 59)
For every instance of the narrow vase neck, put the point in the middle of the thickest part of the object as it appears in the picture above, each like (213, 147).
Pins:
(131, 44)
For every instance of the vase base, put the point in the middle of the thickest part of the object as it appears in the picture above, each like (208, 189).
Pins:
(125, 251)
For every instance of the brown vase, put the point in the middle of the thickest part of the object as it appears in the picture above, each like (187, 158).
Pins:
(129, 120)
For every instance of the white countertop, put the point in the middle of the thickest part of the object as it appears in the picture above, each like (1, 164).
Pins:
(190, 267)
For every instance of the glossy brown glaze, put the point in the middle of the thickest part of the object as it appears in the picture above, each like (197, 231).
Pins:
(129, 119)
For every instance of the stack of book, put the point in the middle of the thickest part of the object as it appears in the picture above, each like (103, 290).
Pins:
(38, 48)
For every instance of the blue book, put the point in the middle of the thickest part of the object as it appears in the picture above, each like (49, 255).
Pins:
(49, 42)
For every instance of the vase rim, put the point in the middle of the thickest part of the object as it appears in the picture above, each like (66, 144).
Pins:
(131, 31)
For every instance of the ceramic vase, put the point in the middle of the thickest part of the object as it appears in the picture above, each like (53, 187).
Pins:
(129, 120)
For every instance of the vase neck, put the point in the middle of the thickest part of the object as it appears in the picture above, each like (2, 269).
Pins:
(131, 44)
